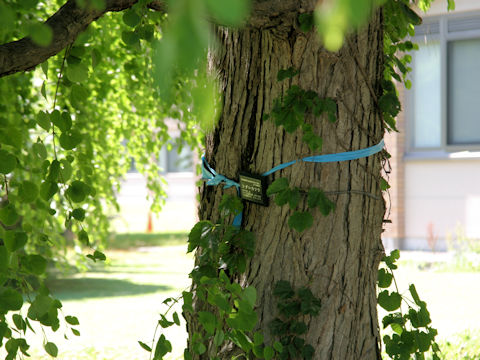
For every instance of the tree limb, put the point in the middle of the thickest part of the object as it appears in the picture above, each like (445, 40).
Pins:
(66, 24)
(70, 20)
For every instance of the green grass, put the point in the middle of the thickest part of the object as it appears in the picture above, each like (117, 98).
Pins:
(136, 240)
(462, 346)
(118, 303)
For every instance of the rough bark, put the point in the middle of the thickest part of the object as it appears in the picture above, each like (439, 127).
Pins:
(338, 257)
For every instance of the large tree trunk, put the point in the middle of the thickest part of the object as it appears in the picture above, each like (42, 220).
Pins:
(338, 257)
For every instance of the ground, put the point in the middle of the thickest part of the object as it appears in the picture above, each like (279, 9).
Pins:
(119, 304)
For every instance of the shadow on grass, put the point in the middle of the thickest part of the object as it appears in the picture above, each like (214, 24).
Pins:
(135, 240)
(83, 288)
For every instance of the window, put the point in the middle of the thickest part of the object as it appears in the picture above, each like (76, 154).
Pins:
(172, 160)
(444, 103)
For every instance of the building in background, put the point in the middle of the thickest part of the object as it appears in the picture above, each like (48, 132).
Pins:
(435, 179)
(180, 210)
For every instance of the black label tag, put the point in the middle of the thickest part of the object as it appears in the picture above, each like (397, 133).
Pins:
(253, 188)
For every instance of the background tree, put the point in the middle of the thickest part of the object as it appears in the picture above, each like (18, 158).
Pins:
(67, 133)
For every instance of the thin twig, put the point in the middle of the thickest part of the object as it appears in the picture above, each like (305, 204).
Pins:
(60, 76)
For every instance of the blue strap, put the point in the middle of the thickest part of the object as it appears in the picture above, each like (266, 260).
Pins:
(212, 178)
(348, 155)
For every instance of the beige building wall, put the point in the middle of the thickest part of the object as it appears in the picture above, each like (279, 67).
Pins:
(435, 195)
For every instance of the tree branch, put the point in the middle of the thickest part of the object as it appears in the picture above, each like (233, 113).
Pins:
(70, 20)
(66, 24)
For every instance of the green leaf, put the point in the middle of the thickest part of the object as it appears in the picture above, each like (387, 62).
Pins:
(98, 255)
(10, 299)
(28, 191)
(423, 341)
(242, 320)
(130, 38)
(41, 34)
(146, 32)
(48, 189)
(208, 321)
(258, 338)
(411, 15)
(176, 319)
(294, 198)
(414, 293)
(290, 308)
(199, 348)
(72, 320)
(145, 346)
(83, 237)
(219, 338)
(384, 184)
(420, 318)
(313, 197)
(75, 332)
(277, 345)
(78, 94)
(131, 18)
(61, 120)
(330, 106)
(8, 215)
(8, 162)
(268, 353)
(44, 67)
(77, 191)
(298, 328)
(384, 278)
(7, 16)
(19, 322)
(66, 170)
(306, 21)
(277, 186)
(43, 120)
(389, 103)
(250, 295)
(54, 171)
(70, 139)
(307, 352)
(283, 290)
(77, 73)
(317, 198)
(35, 264)
(242, 340)
(389, 301)
(78, 214)
(15, 240)
(39, 150)
(4, 260)
(40, 306)
(286, 73)
(229, 12)
(300, 221)
(51, 349)
(162, 348)
(163, 322)
(196, 235)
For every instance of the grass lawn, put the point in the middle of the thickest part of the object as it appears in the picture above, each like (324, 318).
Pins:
(118, 304)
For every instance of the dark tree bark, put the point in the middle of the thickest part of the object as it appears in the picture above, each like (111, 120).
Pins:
(338, 257)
